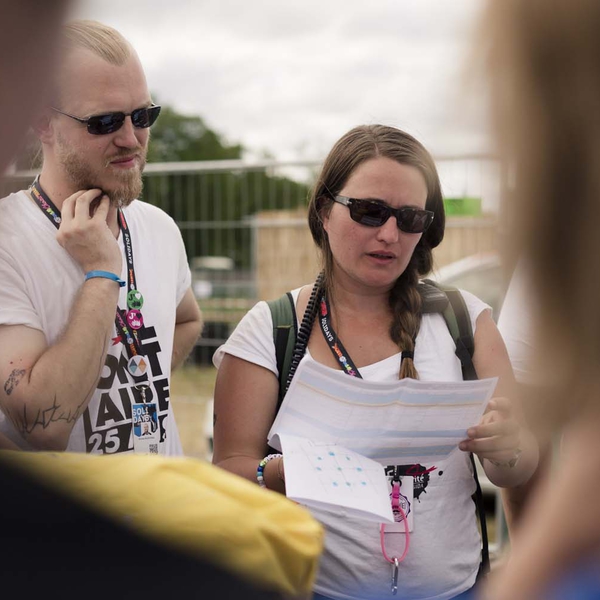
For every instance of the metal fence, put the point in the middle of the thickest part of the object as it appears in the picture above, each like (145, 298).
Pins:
(225, 209)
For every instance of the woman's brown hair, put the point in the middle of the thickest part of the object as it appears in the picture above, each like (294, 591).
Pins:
(354, 148)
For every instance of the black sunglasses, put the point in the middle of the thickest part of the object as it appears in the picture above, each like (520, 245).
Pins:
(141, 118)
(374, 213)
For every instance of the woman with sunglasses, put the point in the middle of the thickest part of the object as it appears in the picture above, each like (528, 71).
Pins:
(375, 214)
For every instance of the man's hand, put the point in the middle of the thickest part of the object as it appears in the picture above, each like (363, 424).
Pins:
(88, 239)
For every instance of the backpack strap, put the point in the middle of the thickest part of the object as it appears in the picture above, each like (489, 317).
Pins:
(484, 567)
(449, 301)
(285, 325)
(465, 344)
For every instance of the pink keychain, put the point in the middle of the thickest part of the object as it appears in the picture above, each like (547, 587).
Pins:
(395, 561)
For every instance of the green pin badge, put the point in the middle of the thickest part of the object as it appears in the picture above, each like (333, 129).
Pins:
(135, 300)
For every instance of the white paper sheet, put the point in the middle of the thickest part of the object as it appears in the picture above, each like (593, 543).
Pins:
(400, 422)
(326, 475)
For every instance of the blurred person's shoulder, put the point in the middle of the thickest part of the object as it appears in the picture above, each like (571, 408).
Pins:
(516, 323)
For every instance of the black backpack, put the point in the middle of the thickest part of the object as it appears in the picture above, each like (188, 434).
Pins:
(291, 341)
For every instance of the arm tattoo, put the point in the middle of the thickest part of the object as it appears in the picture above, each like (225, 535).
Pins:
(13, 381)
(25, 424)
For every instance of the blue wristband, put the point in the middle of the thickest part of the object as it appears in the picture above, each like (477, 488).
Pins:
(105, 275)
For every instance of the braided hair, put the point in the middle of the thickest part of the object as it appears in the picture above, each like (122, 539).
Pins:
(354, 148)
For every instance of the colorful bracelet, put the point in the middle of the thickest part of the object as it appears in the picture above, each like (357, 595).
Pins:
(105, 275)
(261, 468)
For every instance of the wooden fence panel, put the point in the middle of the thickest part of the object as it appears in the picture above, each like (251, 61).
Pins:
(286, 257)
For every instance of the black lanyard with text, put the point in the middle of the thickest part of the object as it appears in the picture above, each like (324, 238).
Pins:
(127, 322)
(335, 345)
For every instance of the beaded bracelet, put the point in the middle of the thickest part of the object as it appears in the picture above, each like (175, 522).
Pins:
(261, 468)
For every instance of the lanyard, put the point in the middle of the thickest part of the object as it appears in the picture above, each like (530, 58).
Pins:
(335, 345)
(348, 367)
(127, 322)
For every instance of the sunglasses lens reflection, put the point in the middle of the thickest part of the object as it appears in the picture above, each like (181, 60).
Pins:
(103, 124)
(370, 214)
(145, 117)
(412, 220)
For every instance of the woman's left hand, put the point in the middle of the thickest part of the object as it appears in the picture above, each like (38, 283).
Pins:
(502, 435)
(497, 436)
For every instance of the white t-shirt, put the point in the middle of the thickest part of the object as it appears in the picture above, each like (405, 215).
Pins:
(445, 546)
(39, 283)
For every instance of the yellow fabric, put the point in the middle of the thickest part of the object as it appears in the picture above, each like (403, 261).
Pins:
(196, 507)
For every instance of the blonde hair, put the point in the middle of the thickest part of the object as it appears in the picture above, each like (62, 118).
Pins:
(545, 73)
(100, 39)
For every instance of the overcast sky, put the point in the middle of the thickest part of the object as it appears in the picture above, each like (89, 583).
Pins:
(289, 78)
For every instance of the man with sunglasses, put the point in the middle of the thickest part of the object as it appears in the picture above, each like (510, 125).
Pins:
(96, 305)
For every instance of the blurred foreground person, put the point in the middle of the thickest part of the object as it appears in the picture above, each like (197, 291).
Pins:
(24, 72)
(25, 66)
(546, 88)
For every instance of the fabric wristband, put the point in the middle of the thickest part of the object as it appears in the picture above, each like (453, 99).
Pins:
(105, 275)
(261, 468)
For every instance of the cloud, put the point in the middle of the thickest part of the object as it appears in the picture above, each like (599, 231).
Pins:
(292, 77)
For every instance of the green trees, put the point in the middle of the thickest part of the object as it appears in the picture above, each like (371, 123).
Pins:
(177, 137)
(212, 207)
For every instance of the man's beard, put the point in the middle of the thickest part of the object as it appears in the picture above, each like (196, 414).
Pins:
(85, 177)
